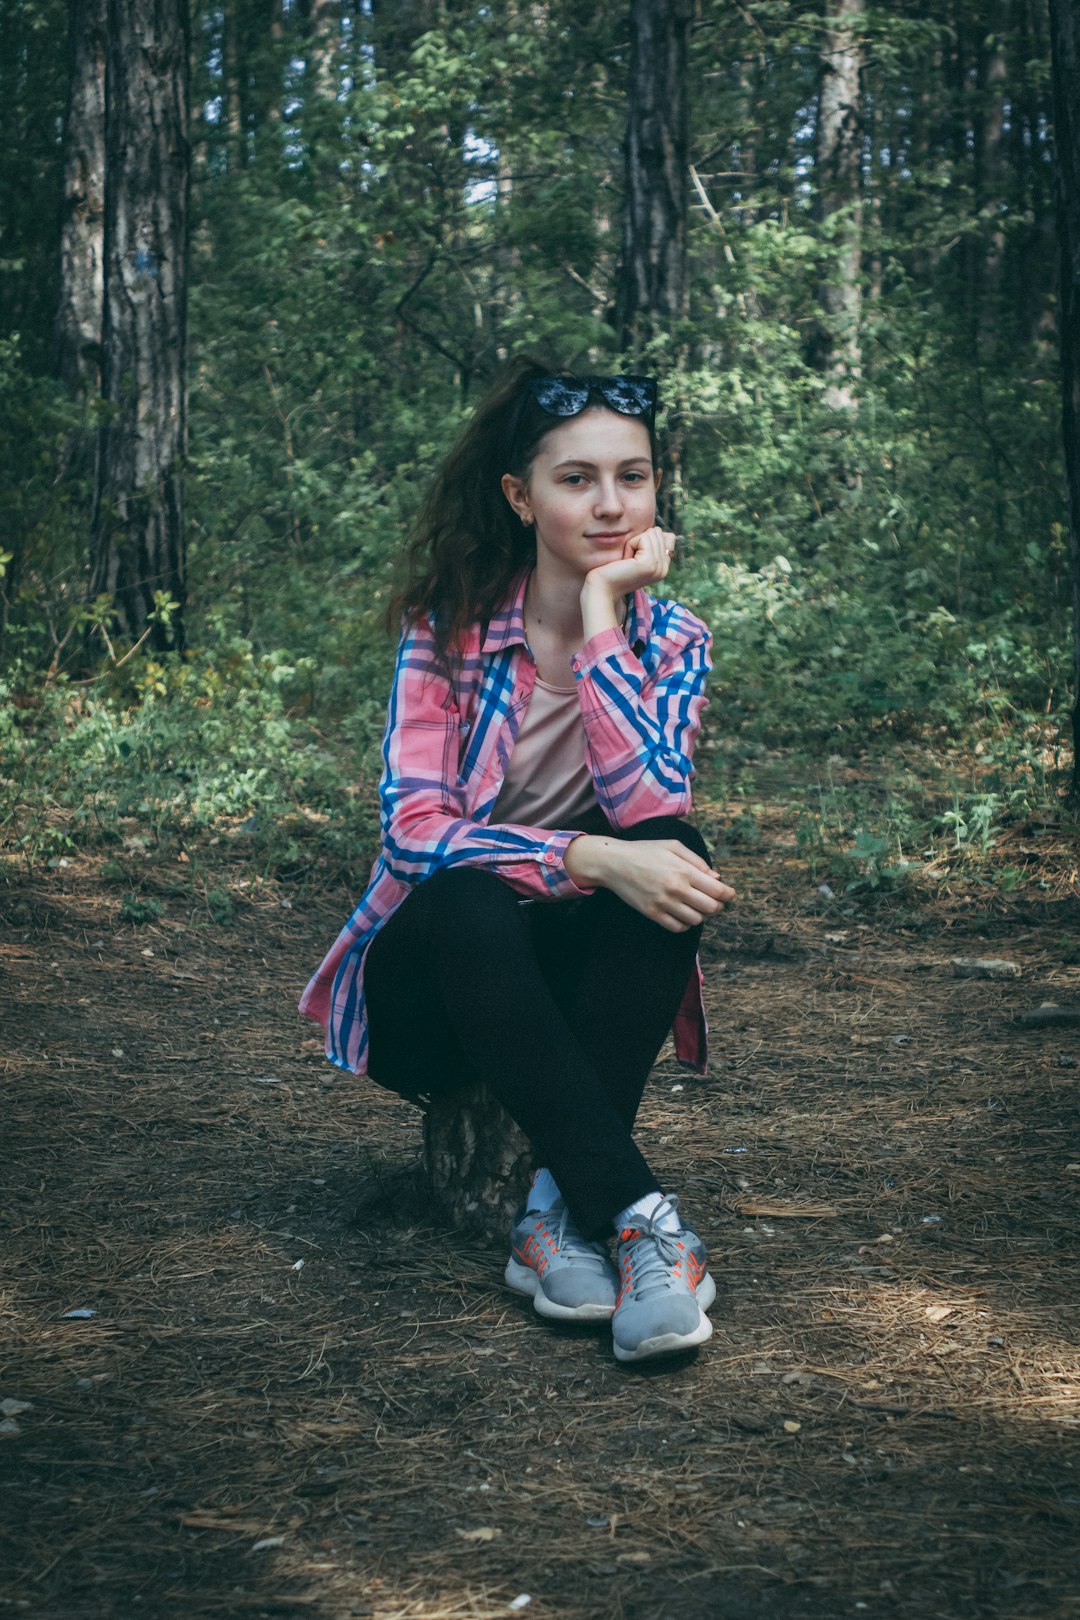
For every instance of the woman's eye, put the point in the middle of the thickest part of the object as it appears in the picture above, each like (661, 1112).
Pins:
(574, 479)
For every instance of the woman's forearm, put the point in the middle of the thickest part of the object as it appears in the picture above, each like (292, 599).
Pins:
(598, 609)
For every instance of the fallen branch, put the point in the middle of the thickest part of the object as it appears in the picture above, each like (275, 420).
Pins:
(1049, 1017)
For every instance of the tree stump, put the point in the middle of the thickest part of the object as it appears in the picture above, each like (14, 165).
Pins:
(477, 1160)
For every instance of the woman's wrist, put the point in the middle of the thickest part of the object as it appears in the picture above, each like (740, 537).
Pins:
(586, 860)
(600, 610)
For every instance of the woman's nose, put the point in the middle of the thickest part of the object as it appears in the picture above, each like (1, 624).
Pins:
(608, 498)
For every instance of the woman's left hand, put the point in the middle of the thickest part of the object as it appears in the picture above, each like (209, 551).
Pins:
(646, 559)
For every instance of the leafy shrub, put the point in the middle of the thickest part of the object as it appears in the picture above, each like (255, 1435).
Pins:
(208, 745)
(219, 905)
(134, 909)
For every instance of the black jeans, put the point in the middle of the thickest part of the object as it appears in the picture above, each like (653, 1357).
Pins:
(560, 1007)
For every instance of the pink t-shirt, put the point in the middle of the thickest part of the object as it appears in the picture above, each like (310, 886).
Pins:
(547, 783)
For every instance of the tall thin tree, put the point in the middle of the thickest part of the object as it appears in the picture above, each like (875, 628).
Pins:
(838, 200)
(137, 531)
(654, 288)
(1065, 68)
(991, 181)
(654, 285)
(82, 232)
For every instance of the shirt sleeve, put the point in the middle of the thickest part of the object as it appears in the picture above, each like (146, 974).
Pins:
(422, 794)
(640, 726)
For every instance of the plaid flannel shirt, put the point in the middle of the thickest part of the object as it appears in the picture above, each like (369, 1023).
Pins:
(445, 752)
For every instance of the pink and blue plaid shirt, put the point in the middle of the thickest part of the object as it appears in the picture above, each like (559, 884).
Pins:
(447, 745)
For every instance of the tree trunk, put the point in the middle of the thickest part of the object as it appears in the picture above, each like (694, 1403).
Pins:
(654, 288)
(839, 203)
(259, 50)
(992, 184)
(478, 1162)
(324, 40)
(1065, 68)
(1030, 292)
(232, 95)
(82, 232)
(137, 532)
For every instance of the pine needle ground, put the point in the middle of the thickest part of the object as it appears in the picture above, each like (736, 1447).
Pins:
(297, 1396)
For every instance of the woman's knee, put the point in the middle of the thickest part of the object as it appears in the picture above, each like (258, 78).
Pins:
(468, 896)
(670, 827)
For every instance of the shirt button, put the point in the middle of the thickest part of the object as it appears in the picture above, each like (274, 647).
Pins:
(575, 663)
(549, 857)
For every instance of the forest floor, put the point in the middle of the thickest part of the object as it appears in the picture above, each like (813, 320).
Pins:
(243, 1374)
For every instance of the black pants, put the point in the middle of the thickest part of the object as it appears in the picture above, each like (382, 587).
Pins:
(560, 1007)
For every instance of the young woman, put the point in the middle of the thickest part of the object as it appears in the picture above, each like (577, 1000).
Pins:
(533, 917)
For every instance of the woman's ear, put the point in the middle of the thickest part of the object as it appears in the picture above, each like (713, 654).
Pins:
(517, 494)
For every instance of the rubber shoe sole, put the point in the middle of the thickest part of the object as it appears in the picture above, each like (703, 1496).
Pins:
(670, 1344)
(523, 1280)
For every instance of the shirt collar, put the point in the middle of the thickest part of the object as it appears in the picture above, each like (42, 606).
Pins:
(506, 627)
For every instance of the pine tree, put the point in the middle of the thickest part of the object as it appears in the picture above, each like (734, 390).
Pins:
(1065, 60)
(138, 558)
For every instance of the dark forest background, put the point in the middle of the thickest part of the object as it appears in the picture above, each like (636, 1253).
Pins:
(257, 262)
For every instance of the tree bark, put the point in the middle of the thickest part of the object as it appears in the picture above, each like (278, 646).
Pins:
(232, 95)
(1065, 69)
(82, 232)
(324, 40)
(137, 531)
(478, 1163)
(260, 54)
(990, 179)
(654, 293)
(1034, 266)
(839, 203)
(654, 289)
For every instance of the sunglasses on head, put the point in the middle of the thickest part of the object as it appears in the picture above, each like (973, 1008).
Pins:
(568, 396)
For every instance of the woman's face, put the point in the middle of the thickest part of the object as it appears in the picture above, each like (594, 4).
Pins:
(591, 487)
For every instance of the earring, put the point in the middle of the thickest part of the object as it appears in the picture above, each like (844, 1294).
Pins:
(526, 522)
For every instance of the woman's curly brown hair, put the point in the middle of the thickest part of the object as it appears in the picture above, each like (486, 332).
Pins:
(467, 545)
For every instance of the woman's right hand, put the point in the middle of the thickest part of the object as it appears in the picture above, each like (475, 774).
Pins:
(659, 877)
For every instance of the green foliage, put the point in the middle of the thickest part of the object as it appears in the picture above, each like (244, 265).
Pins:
(139, 909)
(745, 830)
(219, 905)
(890, 825)
(210, 745)
(33, 88)
(380, 215)
(41, 510)
(870, 861)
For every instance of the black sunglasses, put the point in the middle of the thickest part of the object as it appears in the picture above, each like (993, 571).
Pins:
(568, 396)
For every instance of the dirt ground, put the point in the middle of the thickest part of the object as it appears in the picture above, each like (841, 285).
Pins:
(244, 1374)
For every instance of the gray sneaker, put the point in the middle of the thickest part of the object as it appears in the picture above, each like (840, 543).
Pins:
(570, 1280)
(664, 1293)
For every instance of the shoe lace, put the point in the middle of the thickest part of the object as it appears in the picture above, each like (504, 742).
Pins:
(652, 1253)
(572, 1246)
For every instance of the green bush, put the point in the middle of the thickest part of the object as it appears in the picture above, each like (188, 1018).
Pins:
(134, 909)
(209, 746)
